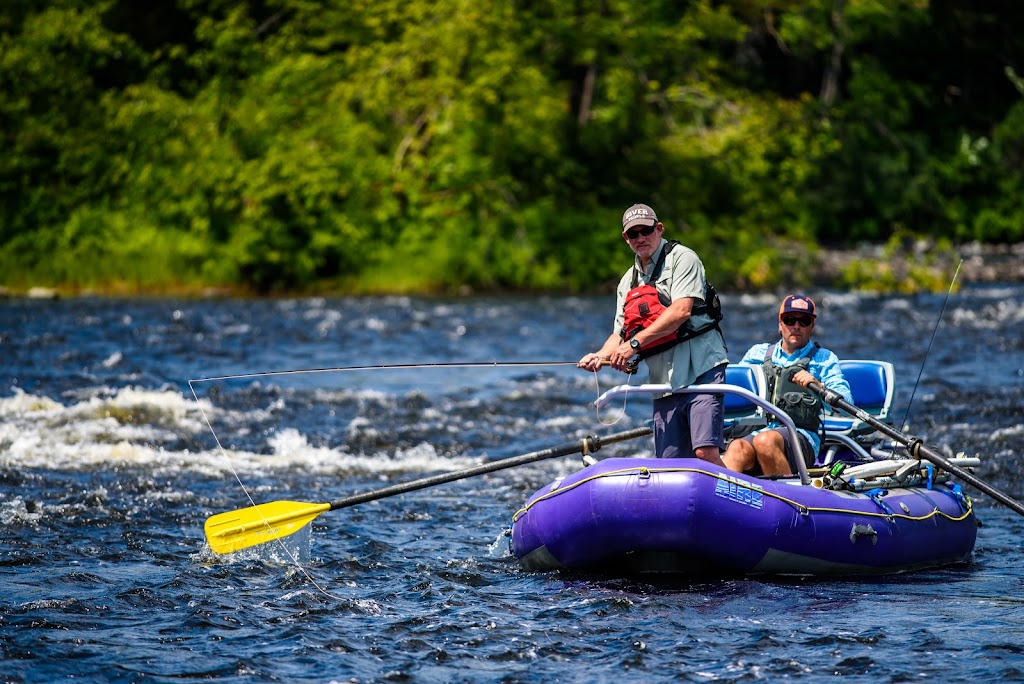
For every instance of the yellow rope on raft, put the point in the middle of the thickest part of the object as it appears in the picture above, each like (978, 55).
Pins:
(804, 510)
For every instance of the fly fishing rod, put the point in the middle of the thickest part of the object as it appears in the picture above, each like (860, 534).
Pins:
(915, 446)
(393, 366)
(927, 351)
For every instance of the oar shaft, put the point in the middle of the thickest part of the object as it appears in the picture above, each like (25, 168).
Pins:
(917, 447)
(587, 444)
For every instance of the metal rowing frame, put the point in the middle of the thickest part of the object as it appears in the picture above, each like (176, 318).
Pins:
(716, 388)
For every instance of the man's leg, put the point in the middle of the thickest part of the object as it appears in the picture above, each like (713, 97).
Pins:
(776, 453)
(671, 432)
(707, 419)
(740, 456)
(711, 454)
(771, 453)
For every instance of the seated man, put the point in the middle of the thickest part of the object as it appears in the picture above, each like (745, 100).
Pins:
(790, 365)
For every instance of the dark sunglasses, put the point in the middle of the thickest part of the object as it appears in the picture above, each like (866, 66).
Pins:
(805, 321)
(637, 232)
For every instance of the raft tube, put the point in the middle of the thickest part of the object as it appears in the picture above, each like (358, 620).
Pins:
(639, 515)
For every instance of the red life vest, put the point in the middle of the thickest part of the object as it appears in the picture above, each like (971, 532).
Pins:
(644, 304)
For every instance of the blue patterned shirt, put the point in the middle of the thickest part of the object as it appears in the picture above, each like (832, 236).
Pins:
(824, 366)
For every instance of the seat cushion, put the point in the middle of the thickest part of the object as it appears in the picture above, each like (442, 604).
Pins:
(867, 384)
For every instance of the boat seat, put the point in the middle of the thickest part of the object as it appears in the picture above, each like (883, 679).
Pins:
(738, 410)
(872, 385)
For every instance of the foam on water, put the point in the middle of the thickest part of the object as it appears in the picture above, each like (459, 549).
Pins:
(15, 511)
(131, 427)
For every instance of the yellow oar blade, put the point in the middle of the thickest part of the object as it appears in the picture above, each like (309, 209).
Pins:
(236, 530)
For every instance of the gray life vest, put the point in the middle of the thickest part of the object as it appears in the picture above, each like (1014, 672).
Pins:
(802, 405)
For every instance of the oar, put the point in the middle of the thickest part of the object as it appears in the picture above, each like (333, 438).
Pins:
(917, 448)
(236, 530)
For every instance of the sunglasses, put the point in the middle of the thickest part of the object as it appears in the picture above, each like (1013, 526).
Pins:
(804, 321)
(637, 232)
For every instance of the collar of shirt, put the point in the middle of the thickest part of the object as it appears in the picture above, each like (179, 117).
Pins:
(780, 354)
(654, 259)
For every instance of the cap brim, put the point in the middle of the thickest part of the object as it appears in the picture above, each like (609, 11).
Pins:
(638, 222)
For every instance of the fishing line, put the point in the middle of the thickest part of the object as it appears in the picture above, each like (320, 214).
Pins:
(927, 351)
(625, 398)
(404, 366)
(220, 447)
(245, 490)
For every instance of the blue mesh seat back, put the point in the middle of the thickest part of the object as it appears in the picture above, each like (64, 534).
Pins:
(870, 386)
(867, 384)
(741, 376)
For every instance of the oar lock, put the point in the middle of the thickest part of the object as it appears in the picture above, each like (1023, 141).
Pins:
(590, 443)
(914, 447)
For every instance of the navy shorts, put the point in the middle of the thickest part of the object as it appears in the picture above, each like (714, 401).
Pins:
(684, 422)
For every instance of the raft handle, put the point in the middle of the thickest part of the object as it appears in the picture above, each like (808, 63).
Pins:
(859, 531)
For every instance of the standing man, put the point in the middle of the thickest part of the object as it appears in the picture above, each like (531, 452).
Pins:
(790, 366)
(662, 317)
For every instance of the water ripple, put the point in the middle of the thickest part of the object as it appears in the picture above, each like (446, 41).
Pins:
(108, 470)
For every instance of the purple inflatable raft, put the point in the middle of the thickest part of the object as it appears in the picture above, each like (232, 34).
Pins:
(865, 510)
(684, 515)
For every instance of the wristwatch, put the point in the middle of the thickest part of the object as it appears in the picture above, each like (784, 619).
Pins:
(635, 344)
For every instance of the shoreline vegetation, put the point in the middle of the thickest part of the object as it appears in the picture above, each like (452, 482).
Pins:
(439, 147)
(919, 267)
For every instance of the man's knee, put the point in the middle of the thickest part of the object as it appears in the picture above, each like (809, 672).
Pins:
(740, 455)
(740, 447)
(770, 439)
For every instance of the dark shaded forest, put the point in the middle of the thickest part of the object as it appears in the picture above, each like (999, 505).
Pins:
(357, 146)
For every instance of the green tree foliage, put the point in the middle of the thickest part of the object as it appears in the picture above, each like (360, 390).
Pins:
(54, 76)
(437, 145)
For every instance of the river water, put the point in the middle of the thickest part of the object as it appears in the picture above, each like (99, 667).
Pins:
(116, 444)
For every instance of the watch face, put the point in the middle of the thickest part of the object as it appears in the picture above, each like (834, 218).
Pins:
(634, 344)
